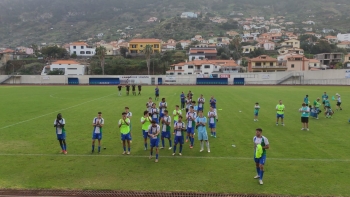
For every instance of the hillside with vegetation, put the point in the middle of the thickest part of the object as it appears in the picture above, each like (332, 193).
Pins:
(24, 22)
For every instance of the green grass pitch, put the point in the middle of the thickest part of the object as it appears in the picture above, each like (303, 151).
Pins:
(298, 162)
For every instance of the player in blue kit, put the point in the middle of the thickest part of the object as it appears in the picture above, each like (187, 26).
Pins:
(179, 127)
(261, 143)
(97, 123)
(201, 122)
(156, 93)
(153, 133)
(183, 100)
(213, 105)
(166, 122)
(59, 124)
(212, 121)
(191, 118)
(154, 113)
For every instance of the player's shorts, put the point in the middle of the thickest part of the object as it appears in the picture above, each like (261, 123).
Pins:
(202, 135)
(190, 130)
(156, 120)
(200, 109)
(280, 115)
(97, 136)
(256, 114)
(161, 115)
(126, 136)
(144, 134)
(179, 139)
(61, 136)
(157, 95)
(305, 119)
(261, 160)
(212, 125)
(323, 102)
(166, 134)
(338, 103)
(154, 142)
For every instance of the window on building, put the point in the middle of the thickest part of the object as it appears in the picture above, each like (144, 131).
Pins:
(206, 73)
(74, 47)
(171, 73)
(88, 52)
(216, 67)
(82, 52)
(72, 68)
(271, 63)
(141, 45)
(189, 73)
(292, 66)
(179, 67)
(258, 64)
(178, 73)
(74, 52)
(206, 66)
(201, 58)
(82, 47)
(133, 46)
(296, 43)
(156, 46)
(298, 59)
(189, 67)
(315, 65)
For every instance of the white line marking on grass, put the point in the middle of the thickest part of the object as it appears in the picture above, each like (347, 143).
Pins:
(180, 157)
(55, 112)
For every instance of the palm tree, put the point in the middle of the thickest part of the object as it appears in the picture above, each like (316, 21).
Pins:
(101, 53)
(148, 50)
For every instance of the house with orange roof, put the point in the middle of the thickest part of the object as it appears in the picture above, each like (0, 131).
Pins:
(136, 46)
(81, 49)
(267, 45)
(296, 62)
(206, 67)
(5, 56)
(69, 67)
(202, 54)
(315, 64)
(332, 39)
(344, 45)
(293, 43)
(264, 63)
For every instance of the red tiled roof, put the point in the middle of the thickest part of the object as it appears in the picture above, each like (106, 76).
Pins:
(65, 62)
(79, 43)
(263, 58)
(145, 40)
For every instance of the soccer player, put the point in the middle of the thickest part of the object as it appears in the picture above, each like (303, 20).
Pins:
(129, 115)
(305, 113)
(256, 112)
(213, 104)
(154, 113)
(149, 105)
(261, 143)
(327, 103)
(201, 121)
(338, 102)
(162, 107)
(329, 112)
(212, 121)
(317, 107)
(133, 89)
(127, 89)
(183, 98)
(124, 123)
(191, 124)
(306, 99)
(59, 124)
(139, 88)
(145, 121)
(120, 90)
(166, 122)
(97, 123)
(280, 112)
(190, 94)
(201, 102)
(324, 97)
(153, 132)
(188, 103)
(157, 93)
(176, 113)
(179, 127)
(195, 107)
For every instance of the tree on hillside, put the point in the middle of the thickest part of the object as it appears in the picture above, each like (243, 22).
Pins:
(101, 53)
(178, 46)
(54, 52)
(235, 46)
(148, 50)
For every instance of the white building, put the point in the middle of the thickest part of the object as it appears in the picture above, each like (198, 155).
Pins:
(69, 67)
(205, 67)
(81, 49)
(343, 37)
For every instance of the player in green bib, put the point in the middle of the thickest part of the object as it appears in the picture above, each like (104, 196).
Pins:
(124, 126)
(176, 113)
(317, 106)
(145, 121)
(280, 112)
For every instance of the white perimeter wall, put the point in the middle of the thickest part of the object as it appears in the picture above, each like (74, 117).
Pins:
(326, 77)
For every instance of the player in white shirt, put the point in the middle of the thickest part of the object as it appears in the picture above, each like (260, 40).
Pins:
(149, 105)
(260, 143)
(188, 103)
(179, 128)
(338, 102)
(200, 102)
(162, 107)
(153, 133)
(191, 124)
(166, 122)
(212, 121)
(59, 124)
(97, 123)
